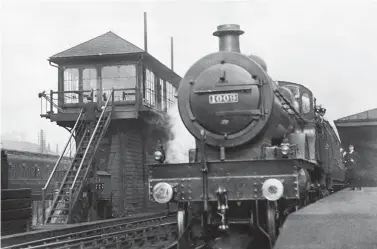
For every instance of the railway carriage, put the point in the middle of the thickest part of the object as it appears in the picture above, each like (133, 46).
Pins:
(30, 169)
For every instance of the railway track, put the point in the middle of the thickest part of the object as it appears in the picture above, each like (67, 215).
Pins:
(152, 232)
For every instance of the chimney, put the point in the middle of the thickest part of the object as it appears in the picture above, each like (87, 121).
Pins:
(229, 37)
(171, 54)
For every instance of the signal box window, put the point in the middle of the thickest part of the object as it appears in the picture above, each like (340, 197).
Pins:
(170, 94)
(122, 79)
(89, 83)
(163, 94)
(150, 98)
(71, 85)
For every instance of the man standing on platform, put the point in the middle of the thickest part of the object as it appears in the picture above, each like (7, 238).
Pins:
(351, 159)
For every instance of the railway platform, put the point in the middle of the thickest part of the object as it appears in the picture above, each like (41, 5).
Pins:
(344, 220)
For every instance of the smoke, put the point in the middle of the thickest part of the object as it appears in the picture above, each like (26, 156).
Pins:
(181, 141)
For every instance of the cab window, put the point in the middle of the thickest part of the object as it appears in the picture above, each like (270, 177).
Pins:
(305, 99)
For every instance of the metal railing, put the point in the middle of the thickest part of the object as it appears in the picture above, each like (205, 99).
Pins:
(60, 101)
(50, 187)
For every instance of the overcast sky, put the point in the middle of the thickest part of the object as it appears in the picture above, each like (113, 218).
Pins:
(328, 46)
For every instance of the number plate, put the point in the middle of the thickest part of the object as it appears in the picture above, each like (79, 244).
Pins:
(223, 98)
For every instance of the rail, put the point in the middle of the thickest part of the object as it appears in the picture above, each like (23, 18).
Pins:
(71, 142)
(83, 233)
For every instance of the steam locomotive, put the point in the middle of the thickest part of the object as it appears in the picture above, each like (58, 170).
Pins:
(263, 148)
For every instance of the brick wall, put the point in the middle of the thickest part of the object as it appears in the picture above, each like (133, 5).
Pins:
(103, 156)
(133, 167)
(126, 167)
(131, 147)
(116, 177)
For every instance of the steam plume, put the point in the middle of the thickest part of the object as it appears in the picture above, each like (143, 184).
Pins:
(181, 140)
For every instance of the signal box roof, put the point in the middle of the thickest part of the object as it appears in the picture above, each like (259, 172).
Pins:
(106, 44)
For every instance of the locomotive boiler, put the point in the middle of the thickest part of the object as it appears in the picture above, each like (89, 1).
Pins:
(263, 148)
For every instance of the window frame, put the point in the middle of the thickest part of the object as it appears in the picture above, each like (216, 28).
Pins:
(128, 89)
(95, 92)
(98, 67)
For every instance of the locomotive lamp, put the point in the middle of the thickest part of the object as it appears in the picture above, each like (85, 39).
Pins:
(285, 148)
(159, 154)
(162, 192)
(272, 189)
(320, 110)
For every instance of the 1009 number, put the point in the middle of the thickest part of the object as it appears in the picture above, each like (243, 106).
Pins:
(223, 98)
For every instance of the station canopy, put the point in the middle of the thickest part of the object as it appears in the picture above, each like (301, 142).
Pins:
(360, 130)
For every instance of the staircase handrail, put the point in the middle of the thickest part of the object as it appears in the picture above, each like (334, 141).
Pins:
(56, 198)
(65, 148)
(90, 141)
(73, 199)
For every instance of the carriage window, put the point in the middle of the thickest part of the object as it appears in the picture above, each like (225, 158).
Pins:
(43, 173)
(71, 84)
(122, 79)
(23, 171)
(89, 81)
(10, 170)
(35, 171)
(305, 99)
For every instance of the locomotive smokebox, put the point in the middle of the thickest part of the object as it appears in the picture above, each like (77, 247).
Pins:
(230, 96)
(229, 37)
